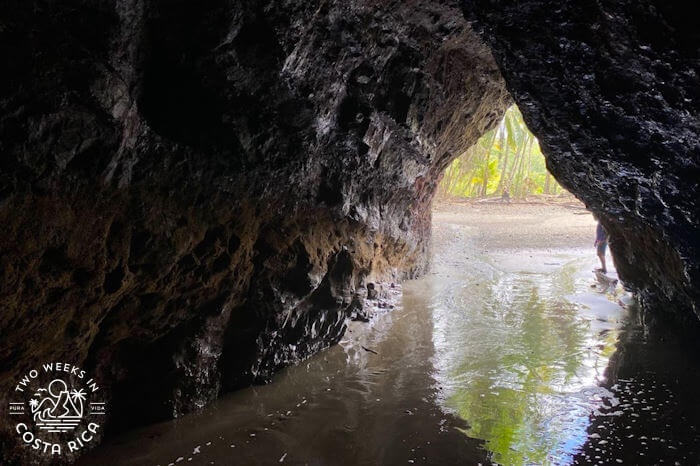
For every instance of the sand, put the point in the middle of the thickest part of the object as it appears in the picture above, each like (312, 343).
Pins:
(519, 225)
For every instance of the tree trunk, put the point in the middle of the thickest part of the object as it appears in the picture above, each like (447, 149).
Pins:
(517, 162)
(485, 186)
(505, 151)
(501, 181)
(521, 178)
(529, 166)
(511, 173)
(518, 181)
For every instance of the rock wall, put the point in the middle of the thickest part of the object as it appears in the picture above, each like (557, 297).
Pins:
(192, 197)
(611, 90)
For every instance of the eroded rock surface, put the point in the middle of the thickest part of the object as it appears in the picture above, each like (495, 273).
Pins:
(611, 90)
(192, 197)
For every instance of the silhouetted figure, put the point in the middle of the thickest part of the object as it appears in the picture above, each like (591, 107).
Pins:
(505, 197)
(601, 244)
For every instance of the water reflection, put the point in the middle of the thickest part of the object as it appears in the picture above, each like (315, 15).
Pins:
(656, 419)
(491, 357)
(520, 350)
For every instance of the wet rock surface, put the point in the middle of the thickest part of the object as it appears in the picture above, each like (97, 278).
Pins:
(611, 91)
(192, 197)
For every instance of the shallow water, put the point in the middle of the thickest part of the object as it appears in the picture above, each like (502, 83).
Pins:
(495, 356)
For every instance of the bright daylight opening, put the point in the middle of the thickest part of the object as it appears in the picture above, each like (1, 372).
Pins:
(507, 162)
(524, 318)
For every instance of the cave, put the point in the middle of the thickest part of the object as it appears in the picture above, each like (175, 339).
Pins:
(193, 197)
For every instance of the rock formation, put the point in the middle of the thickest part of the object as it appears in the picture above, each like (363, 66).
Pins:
(194, 197)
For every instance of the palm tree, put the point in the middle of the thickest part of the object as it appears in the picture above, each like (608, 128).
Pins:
(506, 157)
(33, 403)
(78, 395)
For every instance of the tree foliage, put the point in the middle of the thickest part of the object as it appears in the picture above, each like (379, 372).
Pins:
(506, 158)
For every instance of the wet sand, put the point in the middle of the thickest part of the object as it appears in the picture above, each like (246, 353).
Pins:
(498, 355)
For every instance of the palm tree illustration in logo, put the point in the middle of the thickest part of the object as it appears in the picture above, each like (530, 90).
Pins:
(61, 410)
(77, 397)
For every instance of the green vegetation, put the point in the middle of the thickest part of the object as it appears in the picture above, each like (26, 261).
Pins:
(506, 158)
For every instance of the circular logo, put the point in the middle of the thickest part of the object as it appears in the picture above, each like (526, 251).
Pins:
(56, 409)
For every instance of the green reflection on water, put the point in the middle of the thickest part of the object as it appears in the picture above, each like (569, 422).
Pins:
(535, 350)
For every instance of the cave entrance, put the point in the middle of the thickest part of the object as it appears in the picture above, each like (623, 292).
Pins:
(523, 326)
(506, 161)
